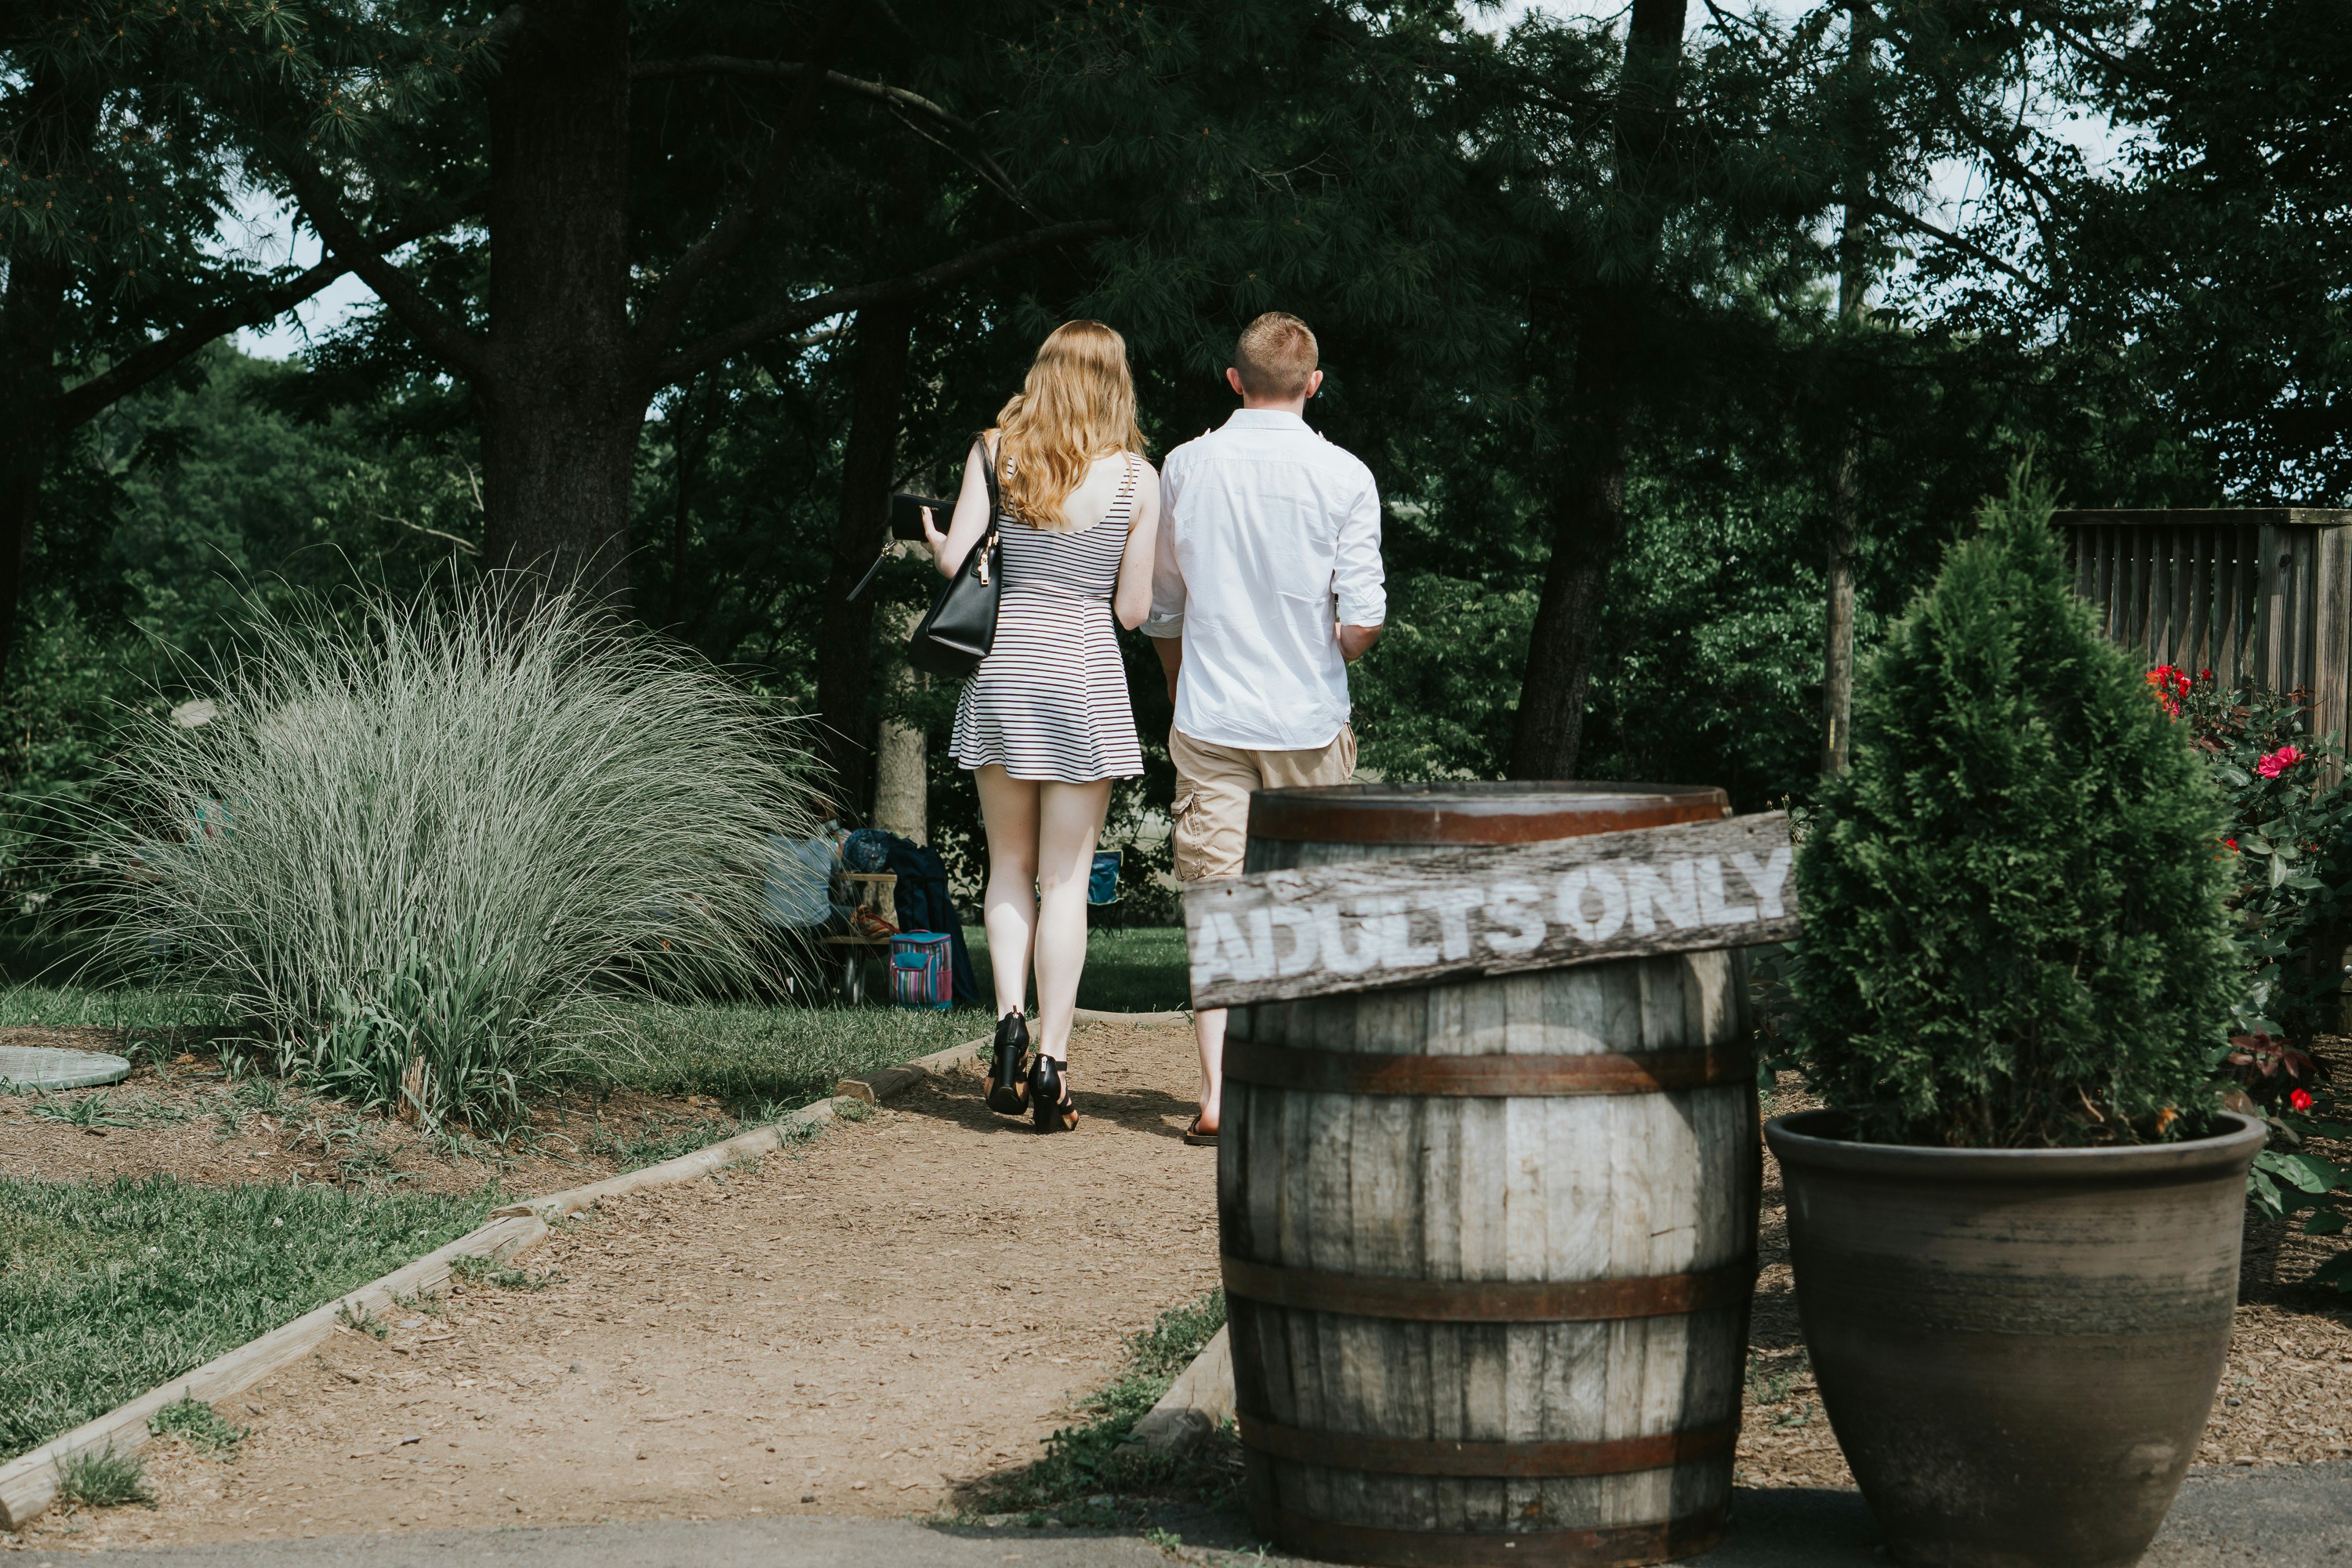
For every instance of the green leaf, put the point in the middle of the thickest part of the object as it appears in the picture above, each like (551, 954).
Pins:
(2307, 1171)
(2264, 1194)
(2252, 843)
(2237, 778)
(2324, 1222)
(2335, 1271)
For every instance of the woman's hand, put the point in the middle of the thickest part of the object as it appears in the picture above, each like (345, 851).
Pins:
(937, 541)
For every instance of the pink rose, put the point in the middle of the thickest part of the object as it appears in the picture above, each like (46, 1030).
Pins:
(2278, 762)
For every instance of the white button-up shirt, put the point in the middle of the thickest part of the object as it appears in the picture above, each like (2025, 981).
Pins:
(1269, 541)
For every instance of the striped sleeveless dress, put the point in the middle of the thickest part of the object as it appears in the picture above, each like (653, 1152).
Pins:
(1049, 702)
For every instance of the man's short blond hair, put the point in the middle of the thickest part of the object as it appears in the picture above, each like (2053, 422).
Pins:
(1275, 356)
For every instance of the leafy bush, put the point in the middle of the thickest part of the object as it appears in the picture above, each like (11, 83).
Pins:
(420, 848)
(2014, 934)
(2287, 828)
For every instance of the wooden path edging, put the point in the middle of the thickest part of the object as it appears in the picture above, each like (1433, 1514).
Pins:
(1200, 1401)
(28, 1483)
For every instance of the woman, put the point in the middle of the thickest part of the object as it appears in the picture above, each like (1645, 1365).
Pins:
(1044, 722)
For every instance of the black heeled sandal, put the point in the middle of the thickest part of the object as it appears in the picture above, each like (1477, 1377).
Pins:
(1008, 1078)
(1049, 1096)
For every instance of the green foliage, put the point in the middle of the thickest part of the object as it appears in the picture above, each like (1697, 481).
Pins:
(104, 1478)
(2287, 835)
(108, 1290)
(418, 848)
(490, 1274)
(759, 1062)
(199, 1424)
(1093, 1457)
(2014, 931)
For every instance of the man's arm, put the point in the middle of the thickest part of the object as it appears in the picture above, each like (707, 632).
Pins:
(1359, 586)
(1166, 625)
(1172, 658)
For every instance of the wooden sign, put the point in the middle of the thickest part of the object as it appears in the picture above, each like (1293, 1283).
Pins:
(1361, 925)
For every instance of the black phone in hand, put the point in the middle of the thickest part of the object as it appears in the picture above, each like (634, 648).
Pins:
(906, 514)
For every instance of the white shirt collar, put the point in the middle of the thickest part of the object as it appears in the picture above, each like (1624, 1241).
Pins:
(1264, 419)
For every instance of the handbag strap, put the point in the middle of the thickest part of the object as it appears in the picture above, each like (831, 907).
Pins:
(996, 497)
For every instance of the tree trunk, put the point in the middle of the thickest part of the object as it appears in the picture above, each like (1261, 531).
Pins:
(1591, 477)
(1589, 525)
(1837, 656)
(561, 411)
(32, 325)
(29, 391)
(844, 657)
(1854, 289)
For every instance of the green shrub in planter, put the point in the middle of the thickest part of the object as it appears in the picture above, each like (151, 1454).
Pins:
(2016, 1233)
(2015, 933)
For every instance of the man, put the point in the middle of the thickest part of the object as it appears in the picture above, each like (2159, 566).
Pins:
(1267, 584)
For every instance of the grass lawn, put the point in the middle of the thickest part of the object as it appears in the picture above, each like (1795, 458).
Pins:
(764, 1062)
(1140, 970)
(105, 1291)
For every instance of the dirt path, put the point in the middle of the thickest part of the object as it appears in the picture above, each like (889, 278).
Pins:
(909, 1303)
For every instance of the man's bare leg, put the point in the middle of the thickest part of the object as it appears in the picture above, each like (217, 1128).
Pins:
(1209, 1031)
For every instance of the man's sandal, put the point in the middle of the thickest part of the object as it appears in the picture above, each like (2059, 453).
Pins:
(1049, 1096)
(1197, 1138)
(1007, 1088)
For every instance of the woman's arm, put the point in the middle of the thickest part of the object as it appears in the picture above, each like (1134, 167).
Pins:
(1131, 600)
(971, 521)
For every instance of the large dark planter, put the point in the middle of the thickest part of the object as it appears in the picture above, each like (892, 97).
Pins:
(2016, 1347)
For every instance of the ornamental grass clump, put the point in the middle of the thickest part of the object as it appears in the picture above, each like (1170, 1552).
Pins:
(2014, 933)
(420, 848)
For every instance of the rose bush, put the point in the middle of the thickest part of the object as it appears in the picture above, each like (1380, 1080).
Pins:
(2289, 845)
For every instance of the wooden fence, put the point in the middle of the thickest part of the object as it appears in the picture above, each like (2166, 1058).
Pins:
(2257, 595)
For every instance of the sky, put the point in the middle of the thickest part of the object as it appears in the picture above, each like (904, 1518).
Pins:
(264, 232)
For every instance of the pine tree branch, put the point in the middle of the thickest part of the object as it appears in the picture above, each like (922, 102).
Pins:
(730, 342)
(1918, 224)
(897, 98)
(660, 321)
(794, 70)
(440, 333)
(88, 399)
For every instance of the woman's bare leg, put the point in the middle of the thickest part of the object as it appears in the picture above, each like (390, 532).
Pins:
(1008, 809)
(1069, 820)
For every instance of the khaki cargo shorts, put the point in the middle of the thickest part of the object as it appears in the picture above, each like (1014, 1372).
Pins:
(1212, 791)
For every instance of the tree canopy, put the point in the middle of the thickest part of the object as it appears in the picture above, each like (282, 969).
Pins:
(1681, 340)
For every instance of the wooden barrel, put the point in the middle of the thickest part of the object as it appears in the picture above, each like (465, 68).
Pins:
(1494, 1314)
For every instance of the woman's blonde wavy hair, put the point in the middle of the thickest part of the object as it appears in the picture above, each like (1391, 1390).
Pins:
(1078, 405)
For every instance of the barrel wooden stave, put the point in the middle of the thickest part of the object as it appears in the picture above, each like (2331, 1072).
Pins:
(1592, 1187)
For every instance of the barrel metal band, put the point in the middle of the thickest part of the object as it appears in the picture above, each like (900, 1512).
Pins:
(1462, 1456)
(1496, 1077)
(1614, 1546)
(1490, 1300)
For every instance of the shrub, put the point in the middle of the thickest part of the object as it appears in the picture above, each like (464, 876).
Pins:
(2014, 934)
(2287, 826)
(422, 845)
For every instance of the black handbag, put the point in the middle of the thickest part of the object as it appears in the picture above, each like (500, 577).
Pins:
(960, 627)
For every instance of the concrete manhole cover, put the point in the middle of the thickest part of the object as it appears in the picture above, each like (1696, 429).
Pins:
(44, 1067)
